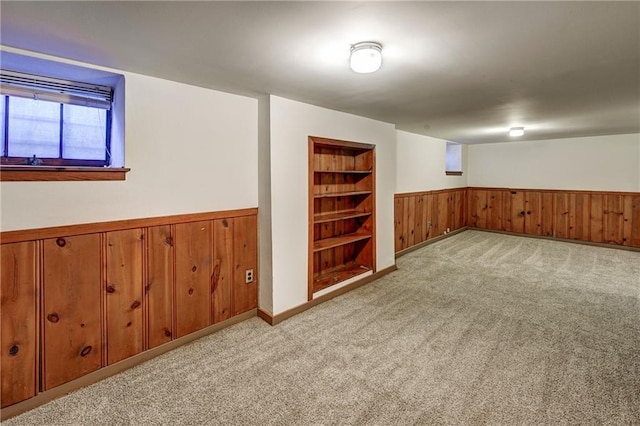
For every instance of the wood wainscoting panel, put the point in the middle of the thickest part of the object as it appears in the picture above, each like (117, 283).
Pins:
(245, 256)
(71, 308)
(632, 220)
(222, 278)
(18, 316)
(159, 285)
(77, 300)
(613, 219)
(596, 231)
(422, 216)
(533, 213)
(591, 216)
(194, 244)
(124, 294)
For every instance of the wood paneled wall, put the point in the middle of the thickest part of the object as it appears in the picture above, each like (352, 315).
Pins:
(78, 298)
(591, 216)
(421, 216)
(598, 217)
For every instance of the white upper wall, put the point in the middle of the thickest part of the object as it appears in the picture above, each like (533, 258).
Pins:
(189, 149)
(421, 164)
(291, 125)
(598, 163)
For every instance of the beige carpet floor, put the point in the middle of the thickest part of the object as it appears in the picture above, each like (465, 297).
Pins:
(479, 328)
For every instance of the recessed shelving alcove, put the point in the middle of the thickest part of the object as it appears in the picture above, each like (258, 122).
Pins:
(341, 211)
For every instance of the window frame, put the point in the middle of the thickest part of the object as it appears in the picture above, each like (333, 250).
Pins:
(50, 161)
(452, 172)
(13, 169)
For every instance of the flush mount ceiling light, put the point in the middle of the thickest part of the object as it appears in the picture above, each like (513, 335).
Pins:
(366, 57)
(516, 131)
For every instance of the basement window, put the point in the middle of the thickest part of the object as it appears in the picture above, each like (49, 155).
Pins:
(453, 159)
(57, 129)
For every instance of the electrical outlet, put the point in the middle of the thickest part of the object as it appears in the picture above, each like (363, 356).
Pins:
(248, 276)
(429, 224)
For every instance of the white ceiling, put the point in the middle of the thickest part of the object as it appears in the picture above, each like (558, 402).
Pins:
(461, 71)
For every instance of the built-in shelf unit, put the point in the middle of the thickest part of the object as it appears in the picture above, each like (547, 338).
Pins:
(341, 211)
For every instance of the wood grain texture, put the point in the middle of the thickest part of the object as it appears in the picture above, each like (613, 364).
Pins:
(94, 299)
(94, 228)
(193, 245)
(159, 286)
(71, 308)
(222, 277)
(18, 316)
(422, 216)
(341, 188)
(124, 294)
(592, 216)
(632, 220)
(245, 243)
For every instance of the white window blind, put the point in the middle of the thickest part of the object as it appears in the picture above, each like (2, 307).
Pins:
(37, 87)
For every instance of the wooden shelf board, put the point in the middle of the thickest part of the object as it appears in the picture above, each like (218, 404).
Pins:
(342, 240)
(339, 215)
(338, 275)
(364, 172)
(341, 194)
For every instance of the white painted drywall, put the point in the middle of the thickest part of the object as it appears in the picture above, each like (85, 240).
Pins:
(291, 124)
(265, 294)
(598, 163)
(421, 164)
(190, 150)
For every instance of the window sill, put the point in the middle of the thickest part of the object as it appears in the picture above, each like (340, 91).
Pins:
(53, 173)
(453, 173)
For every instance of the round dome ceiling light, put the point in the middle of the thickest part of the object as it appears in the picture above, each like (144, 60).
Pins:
(366, 57)
(516, 131)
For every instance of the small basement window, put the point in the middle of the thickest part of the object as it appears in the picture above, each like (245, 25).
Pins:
(54, 122)
(54, 128)
(453, 159)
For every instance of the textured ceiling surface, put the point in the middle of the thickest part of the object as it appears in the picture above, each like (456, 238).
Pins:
(461, 71)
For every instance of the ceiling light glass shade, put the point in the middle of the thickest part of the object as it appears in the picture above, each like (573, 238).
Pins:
(366, 57)
(516, 131)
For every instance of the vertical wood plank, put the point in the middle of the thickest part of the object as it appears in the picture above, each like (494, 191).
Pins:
(517, 211)
(572, 201)
(418, 235)
(494, 212)
(18, 316)
(547, 201)
(581, 216)
(398, 216)
(596, 228)
(613, 220)
(459, 209)
(427, 214)
(506, 210)
(533, 213)
(411, 220)
(159, 287)
(443, 213)
(632, 220)
(405, 219)
(473, 203)
(72, 335)
(193, 247)
(124, 294)
(245, 256)
(561, 219)
(223, 231)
